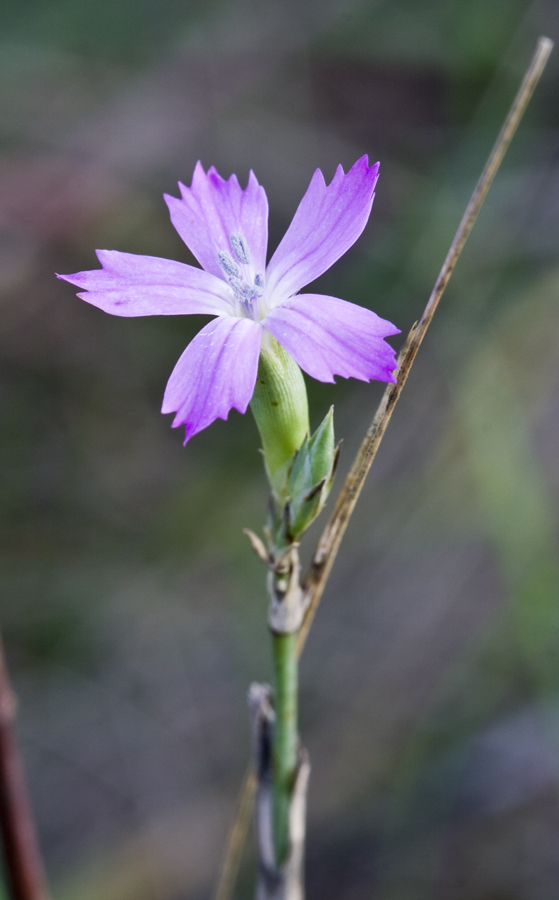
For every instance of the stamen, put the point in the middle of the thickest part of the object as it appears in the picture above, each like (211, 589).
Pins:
(240, 248)
(242, 290)
(228, 264)
(245, 295)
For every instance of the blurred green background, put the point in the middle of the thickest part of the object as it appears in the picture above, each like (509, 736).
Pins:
(132, 609)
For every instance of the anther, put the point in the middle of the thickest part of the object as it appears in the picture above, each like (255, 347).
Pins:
(240, 248)
(242, 290)
(228, 264)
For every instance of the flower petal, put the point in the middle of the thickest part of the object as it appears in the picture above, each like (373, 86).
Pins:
(328, 221)
(328, 337)
(213, 209)
(131, 285)
(216, 373)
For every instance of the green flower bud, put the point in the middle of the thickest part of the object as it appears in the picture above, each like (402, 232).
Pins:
(322, 451)
(311, 477)
(308, 479)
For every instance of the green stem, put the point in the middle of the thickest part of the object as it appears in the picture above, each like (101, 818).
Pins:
(285, 737)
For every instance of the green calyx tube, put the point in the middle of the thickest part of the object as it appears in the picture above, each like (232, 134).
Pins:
(280, 407)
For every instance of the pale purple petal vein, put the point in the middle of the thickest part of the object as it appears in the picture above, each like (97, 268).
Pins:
(327, 336)
(216, 373)
(212, 209)
(130, 285)
(327, 223)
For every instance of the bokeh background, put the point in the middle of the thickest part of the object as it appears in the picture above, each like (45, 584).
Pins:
(132, 609)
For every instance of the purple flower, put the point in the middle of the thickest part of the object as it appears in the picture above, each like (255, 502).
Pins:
(226, 228)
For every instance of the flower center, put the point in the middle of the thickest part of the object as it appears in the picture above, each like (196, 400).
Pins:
(247, 286)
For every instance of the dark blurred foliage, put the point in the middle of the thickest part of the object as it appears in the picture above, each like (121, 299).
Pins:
(132, 609)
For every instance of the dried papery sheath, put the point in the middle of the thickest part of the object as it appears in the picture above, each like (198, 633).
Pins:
(255, 305)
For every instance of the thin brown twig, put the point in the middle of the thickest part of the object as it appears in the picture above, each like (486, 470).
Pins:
(23, 863)
(329, 543)
(237, 837)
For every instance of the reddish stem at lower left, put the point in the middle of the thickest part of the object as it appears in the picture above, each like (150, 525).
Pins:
(23, 865)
